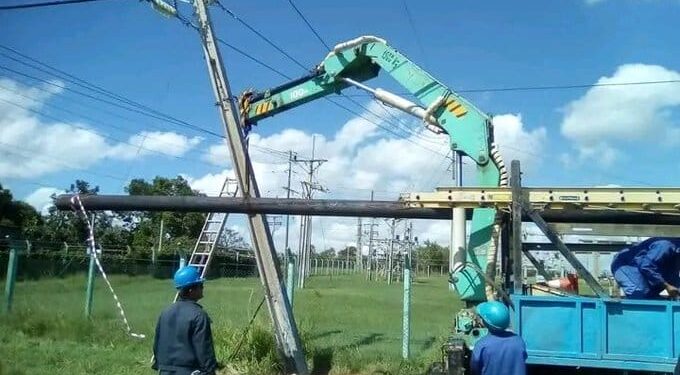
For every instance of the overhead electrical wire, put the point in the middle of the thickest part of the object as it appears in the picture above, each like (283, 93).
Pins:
(549, 87)
(139, 147)
(110, 102)
(94, 132)
(407, 134)
(262, 36)
(50, 70)
(53, 158)
(309, 25)
(62, 75)
(512, 88)
(45, 4)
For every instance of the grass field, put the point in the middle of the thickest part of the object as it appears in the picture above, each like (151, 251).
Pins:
(348, 326)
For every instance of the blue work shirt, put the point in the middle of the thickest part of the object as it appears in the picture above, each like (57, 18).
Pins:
(183, 343)
(499, 353)
(642, 269)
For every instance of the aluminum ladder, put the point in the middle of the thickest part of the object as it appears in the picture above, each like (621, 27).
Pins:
(211, 232)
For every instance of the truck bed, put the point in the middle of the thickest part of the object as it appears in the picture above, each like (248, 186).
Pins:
(592, 332)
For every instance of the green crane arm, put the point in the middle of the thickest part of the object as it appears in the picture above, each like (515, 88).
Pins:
(469, 129)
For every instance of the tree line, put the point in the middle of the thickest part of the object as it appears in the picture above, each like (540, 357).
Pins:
(139, 231)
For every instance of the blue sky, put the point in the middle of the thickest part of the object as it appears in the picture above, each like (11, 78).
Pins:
(622, 135)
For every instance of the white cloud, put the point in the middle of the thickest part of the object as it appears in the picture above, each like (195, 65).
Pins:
(31, 146)
(610, 116)
(209, 184)
(517, 143)
(41, 199)
(361, 159)
(146, 142)
(218, 155)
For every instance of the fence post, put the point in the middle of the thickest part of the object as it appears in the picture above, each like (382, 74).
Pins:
(182, 262)
(290, 282)
(90, 285)
(11, 277)
(406, 318)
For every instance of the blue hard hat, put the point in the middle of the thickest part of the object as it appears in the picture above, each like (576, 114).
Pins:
(187, 276)
(495, 315)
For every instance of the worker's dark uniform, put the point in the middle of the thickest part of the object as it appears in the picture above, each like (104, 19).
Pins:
(642, 269)
(499, 353)
(183, 344)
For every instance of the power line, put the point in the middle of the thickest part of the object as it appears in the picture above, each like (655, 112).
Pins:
(189, 24)
(88, 85)
(45, 4)
(53, 158)
(416, 35)
(112, 103)
(309, 24)
(186, 22)
(74, 113)
(93, 87)
(86, 105)
(401, 136)
(91, 131)
(550, 87)
(245, 24)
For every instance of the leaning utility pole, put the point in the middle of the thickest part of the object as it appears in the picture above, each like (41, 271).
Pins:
(267, 262)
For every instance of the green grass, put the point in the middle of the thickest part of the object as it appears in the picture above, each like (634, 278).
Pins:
(348, 326)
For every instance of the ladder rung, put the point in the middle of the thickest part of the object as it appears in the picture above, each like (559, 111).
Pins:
(206, 242)
(215, 221)
(208, 253)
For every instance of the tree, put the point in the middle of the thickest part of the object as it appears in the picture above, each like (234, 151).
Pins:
(231, 240)
(432, 254)
(327, 254)
(64, 226)
(20, 216)
(343, 254)
(179, 228)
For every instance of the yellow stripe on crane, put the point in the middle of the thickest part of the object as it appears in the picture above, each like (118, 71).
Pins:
(455, 107)
(263, 108)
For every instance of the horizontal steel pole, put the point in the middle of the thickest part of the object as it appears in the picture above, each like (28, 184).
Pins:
(334, 207)
(311, 207)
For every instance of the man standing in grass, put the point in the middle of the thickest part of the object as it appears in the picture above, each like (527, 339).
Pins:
(501, 352)
(183, 344)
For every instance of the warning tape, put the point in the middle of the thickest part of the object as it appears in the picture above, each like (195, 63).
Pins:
(80, 208)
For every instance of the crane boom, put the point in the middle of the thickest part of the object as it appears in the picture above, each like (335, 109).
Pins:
(440, 108)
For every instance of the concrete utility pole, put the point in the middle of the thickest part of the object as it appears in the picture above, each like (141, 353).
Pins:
(279, 307)
(370, 244)
(309, 186)
(160, 242)
(274, 222)
(290, 172)
(358, 262)
(390, 256)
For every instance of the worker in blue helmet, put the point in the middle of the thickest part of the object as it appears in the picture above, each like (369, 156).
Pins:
(501, 352)
(647, 268)
(183, 344)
